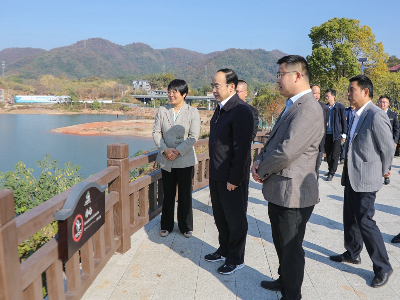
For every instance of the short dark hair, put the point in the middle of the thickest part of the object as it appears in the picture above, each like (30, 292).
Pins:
(385, 96)
(296, 60)
(364, 83)
(332, 91)
(312, 85)
(179, 85)
(230, 76)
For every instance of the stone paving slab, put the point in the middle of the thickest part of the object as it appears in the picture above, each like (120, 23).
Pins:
(174, 267)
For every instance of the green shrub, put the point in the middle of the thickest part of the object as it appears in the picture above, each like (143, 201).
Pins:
(29, 192)
(96, 105)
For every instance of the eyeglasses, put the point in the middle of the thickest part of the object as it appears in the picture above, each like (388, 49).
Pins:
(171, 93)
(217, 86)
(280, 74)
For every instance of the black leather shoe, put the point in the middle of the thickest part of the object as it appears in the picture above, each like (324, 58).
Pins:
(386, 181)
(345, 258)
(381, 280)
(396, 239)
(329, 178)
(275, 285)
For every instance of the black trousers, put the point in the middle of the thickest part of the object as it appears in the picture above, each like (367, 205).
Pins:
(229, 209)
(332, 149)
(288, 228)
(183, 177)
(319, 161)
(359, 227)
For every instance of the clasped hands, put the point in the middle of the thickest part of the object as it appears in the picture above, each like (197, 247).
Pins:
(254, 169)
(171, 153)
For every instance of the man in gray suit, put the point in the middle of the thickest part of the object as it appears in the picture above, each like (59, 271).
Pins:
(368, 155)
(286, 168)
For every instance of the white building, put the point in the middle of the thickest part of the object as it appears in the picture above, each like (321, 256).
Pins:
(141, 85)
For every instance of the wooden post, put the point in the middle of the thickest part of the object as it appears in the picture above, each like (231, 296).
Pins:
(118, 156)
(10, 274)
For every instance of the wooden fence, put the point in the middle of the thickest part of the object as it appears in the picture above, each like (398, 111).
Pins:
(129, 206)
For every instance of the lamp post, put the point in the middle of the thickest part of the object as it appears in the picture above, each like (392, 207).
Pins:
(362, 60)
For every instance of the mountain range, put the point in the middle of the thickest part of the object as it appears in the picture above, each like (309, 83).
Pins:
(102, 58)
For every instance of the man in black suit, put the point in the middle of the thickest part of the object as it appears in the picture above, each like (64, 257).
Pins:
(242, 92)
(349, 116)
(317, 94)
(229, 148)
(335, 132)
(384, 103)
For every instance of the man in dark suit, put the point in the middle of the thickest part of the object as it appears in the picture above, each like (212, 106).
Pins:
(229, 148)
(286, 168)
(335, 132)
(369, 152)
(349, 116)
(242, 92)
(384, 103)
(325, 110)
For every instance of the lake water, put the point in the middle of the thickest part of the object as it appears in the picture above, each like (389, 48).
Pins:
(27, 138)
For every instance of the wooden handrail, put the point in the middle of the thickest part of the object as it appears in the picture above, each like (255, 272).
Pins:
(128, 206)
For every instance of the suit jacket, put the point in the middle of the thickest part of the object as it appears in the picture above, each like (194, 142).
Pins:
(394, 121)
(255, 114)
(289, 156)
(230, 141)
(181, 135)
(371, 151)
(349, 117)
(325, 111)
(339, 121)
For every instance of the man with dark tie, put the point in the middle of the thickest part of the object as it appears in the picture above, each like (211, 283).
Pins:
(349, 116)
(384, 103)
(335, 132)
(325, 110)
(369, 152)
(242, 92)
(229, 148)
(286, 169)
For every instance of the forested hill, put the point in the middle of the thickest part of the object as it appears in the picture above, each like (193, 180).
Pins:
(102, 58)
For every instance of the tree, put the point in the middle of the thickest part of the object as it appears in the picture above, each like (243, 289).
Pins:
(269, 104)
(337, 44)
(393, 61)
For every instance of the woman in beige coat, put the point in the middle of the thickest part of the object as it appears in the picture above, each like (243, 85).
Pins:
(176, 130)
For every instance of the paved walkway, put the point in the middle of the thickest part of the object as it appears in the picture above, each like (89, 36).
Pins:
(174, 267)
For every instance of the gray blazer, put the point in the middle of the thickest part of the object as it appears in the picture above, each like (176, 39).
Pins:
(181, 135)
(371, 151)
(289, 156)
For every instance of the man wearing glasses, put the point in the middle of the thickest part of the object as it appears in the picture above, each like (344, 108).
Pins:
(229, 148)
(286, 168)
(242, 92)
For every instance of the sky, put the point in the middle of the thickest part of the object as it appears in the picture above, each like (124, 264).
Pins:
(203, 26)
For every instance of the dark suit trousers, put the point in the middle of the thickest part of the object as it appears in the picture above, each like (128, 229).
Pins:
(288, 228)
(229, 209)
(359, 227)
(183, 177)
(332, 149)
(319, 161)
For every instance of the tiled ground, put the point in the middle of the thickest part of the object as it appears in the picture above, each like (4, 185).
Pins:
(174, 267)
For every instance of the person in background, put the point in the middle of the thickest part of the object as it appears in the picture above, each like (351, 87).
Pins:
(384, 103)
(176, 130)
(242, 92)
(349, 117)
(369, 153)
(325, 110)
(229, 148)
(335, 132)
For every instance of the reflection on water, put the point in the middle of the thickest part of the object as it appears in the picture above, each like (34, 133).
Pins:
(28, 138)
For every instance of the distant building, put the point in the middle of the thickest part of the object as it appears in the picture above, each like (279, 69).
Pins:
(141, 85)
(1, 95)
(395, 69)
(157, 93)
